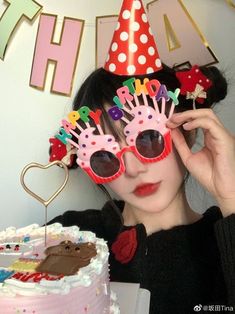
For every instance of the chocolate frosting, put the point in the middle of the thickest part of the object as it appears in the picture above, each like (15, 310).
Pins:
(67, 258)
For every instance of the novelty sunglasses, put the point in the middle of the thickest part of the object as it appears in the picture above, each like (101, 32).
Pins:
(105, 165)
(146, 134)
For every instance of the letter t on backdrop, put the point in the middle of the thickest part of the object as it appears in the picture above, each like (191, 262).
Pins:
(12, 16)
(64, 54)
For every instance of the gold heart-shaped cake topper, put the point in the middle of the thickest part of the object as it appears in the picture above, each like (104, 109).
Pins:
(57, 192)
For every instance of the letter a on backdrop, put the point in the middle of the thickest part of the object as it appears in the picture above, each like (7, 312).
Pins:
(179, 39)
(16, 10)
(232, 3)
(64, 54)
(105, 27)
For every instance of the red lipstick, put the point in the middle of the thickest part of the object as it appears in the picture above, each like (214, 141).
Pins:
(146, 189)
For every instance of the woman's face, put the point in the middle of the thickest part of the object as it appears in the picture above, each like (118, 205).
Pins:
(149, 187)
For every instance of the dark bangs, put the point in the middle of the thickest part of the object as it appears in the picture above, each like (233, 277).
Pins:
(99, 89)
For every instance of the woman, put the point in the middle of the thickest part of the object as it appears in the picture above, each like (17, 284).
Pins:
(185, 259)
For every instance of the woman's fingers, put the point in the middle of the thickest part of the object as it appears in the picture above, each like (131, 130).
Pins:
(181, 145)
(201, 118)
(180, 118)
(215, 130)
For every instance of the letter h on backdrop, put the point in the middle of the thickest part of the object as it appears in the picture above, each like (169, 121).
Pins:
(64, 54)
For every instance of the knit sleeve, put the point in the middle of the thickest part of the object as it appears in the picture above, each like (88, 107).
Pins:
(225, 234)
(87, 220)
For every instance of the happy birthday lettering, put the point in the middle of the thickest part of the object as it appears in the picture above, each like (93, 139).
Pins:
(130, 87)
(35, 277)
(153, 88)
(64, 54)
(84, 114)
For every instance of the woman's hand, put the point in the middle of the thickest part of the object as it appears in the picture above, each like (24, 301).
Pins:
(214, 165)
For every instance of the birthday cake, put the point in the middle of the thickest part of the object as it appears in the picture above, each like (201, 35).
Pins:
(69, 275)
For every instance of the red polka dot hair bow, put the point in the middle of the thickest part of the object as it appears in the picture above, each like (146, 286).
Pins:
(133, 50)
(194, 84)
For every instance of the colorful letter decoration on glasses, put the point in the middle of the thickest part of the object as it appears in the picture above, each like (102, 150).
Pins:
(143, 110)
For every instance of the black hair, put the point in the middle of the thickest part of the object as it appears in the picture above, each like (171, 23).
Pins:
(98, 90)
(100, 87)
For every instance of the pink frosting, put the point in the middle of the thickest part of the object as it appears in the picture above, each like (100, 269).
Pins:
(29, 291)
(145, 117)
(90, 143)
(88, 300)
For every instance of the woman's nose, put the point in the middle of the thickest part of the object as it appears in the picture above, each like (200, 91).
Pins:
(133, 165)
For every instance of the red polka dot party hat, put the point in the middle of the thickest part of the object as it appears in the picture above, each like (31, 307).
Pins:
(133, 50)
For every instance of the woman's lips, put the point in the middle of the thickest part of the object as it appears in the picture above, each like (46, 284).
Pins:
(146, 189)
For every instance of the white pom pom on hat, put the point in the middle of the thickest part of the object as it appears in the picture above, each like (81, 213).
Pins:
(133, 50)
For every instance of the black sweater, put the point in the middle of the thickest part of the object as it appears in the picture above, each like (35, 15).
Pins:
(182, 267)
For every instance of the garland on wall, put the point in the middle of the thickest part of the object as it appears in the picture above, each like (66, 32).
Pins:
(231, 3)
(64, 54)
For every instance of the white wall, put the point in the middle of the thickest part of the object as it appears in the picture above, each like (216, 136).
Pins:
(29, 117)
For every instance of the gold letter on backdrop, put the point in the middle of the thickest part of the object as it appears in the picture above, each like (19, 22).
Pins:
(172, 40)
(105, 26)
(230, 2)
(178, 37)
(12, 16)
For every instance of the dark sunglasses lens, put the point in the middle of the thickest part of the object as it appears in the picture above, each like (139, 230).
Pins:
(104, 163)
(150, 143)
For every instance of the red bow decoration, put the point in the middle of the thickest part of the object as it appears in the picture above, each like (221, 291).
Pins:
(60, 151)
(189, 83)
(125, 246)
